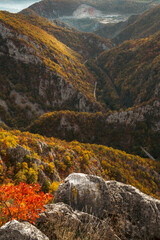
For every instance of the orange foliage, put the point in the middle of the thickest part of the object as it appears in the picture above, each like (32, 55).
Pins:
(22, 202)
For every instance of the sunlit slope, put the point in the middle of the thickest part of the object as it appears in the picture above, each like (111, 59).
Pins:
(87, 44)
(31, 158)
(145, 25)
(38, 72)
(134, 68)
(50, 51)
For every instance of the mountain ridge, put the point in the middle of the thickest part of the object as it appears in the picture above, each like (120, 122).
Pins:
(145, 25)
(88, 45)
(36, 54)
(54, 8)
(127, 130)
(134, 65)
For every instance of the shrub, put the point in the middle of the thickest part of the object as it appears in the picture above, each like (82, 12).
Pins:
(21, 176)
(68, 161)
(50, 168)
(22, 202)
(32, 176)
(53, 187)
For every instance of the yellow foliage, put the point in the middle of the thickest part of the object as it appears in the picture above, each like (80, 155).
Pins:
(65, 62)
(32, 176)
(50, 168)
(24, 165)
(53, 187)
(78, 157)
(42, 167)
(21, 176)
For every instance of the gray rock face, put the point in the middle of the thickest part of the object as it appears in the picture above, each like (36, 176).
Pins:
(60, 221)
(21, 231)
(18, 153)
(132, 214)
(20, 52)
(131, 117)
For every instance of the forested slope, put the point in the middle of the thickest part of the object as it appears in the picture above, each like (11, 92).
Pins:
(39, 73)
(34, 158)
(145, 25)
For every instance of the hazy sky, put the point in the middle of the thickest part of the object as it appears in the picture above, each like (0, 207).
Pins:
(15, 5)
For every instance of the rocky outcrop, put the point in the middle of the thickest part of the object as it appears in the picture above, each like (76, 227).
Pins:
(19, 52)
(60, 221)
(96, 210)
(18, 153)
(132, 214)
(21, 231)
(137, 114)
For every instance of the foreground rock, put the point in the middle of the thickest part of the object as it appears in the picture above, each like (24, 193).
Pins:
(59, 221)
(132, 214)
(21, 231)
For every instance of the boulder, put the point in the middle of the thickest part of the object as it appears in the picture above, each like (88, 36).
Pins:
(132, 214)
(60, 221)
(22, 231)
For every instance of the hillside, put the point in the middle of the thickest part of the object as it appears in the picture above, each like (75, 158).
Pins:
(127, 130)
(40, 73)
(31, 158)
(128, 75)
(86, 44)
(133, 69)
(145, 25)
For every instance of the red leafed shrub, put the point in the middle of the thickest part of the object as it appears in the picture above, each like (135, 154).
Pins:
(22, 202)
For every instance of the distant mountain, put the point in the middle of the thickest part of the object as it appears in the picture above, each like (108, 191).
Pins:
(40, 73)
(55, 8)
(87, 15)
(145, 25)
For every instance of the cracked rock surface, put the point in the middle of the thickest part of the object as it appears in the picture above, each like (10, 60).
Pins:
(131, 213)
(60, 221)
